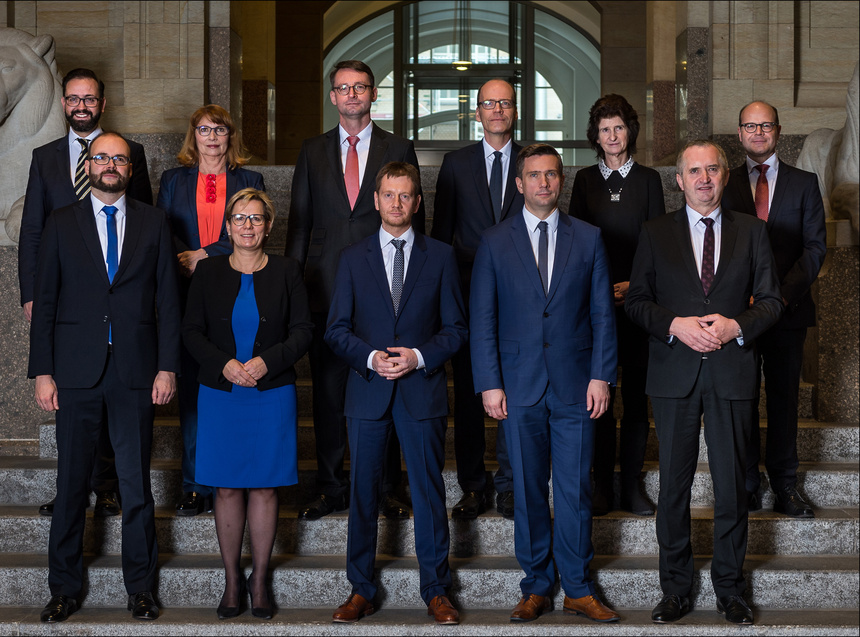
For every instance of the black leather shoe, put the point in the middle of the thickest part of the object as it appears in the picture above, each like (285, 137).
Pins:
(263, 612)
(192, 503)
(106, 504)
(58, 609)
(736, 609)
(392, 508)
(470, 506)
(753, 502)
(670, 609)
(47, 508)
(789, 502)
(226, 612)
(322, 506)
(634, 501)
(143, 606)
(505, 504)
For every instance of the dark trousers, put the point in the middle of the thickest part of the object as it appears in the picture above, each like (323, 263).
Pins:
(781, 359)
(727, 426)
(469, 438)
(128, 414)
(328, 374)
(423, 444)
(553, 430)
(188, 390)
(103, 477)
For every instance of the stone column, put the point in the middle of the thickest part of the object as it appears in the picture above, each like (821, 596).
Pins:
(660, 75)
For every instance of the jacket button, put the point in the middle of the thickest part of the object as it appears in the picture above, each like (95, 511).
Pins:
(546, 314)
(546, 345)
(256, 343)
(105, 320)
(262, 319)
(707, 301)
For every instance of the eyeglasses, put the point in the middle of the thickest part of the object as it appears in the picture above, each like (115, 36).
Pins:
(104, 160)
(89, 102)
(489, 105)
(766, 127)
(359, 88)
(204, 131)
(256, 220)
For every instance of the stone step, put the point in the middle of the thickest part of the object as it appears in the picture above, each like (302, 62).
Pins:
(28, 480)
(816, 441)
(832, 531)
(774, 582)
(396, 622)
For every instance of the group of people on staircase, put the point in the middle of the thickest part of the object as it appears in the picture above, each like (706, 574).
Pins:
(536, 310)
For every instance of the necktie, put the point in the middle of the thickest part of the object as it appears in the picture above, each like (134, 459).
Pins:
(543, 256)
(708, 256)
(82, 181)
(112, 251)
(761, 194)
(496, 186)
(350, 175)
(397, 276)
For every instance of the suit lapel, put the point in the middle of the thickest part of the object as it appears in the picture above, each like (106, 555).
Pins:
(511, 186)
(133, 227)
(90, 235)
(191, 189)
(377, 267)
(728, 240)
(523, 246)
(783, 178)
(563, 247)
(65, 169)
(375, 157)
(335, 164)
(413, 271)
(682, 238)
(742, 178)
(479, 172)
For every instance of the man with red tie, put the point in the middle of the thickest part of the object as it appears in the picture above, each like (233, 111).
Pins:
(787, 199)
(331, 208)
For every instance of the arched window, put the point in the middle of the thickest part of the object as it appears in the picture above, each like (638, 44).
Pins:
(431, 57)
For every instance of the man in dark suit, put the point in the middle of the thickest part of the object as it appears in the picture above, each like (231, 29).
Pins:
(693, 276)
(57, 179)
(475, 190)
(543, 353)
(789, 201)
(104, 348)
(331, 208)
(396, 317)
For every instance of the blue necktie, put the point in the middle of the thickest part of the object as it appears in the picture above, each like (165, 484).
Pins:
(112, 242)
(496, 186)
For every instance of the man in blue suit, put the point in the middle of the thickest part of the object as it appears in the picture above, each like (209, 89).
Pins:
(543, 357)
(396, 317)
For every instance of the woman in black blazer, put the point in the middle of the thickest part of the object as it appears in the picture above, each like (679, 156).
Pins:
(247, 323)
(618, 195)
(194, 197)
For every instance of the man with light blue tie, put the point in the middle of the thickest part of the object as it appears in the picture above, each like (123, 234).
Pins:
(104, 349)
(542, 332)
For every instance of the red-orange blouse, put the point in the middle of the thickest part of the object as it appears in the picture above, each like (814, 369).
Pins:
(211, 202)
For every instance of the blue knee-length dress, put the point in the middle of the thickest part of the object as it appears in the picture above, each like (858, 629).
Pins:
(246, 438)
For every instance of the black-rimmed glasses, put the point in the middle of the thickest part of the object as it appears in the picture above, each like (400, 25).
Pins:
(89, 101)
(204, 131)
(489, 105)
(358, 87)
(239, 220)
(104, 160)
(766, 127)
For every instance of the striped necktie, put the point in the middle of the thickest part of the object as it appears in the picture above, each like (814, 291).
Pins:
(82, 180)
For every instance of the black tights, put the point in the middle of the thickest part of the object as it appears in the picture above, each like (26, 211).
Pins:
(231, 511)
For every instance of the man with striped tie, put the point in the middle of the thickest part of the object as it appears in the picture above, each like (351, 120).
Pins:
(57, 179)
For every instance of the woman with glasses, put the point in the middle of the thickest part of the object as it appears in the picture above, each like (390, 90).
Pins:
(247, 323)
(194, 197)
(618, 195)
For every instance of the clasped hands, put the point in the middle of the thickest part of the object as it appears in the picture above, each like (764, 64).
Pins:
(245, 374)
(396, 364)
(704, 333)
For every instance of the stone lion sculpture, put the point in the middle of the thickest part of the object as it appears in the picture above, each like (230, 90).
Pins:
(30, 115)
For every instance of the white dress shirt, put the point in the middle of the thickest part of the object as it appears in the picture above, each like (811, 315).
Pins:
(534, 236)
(362, 148)
(101, 225)
(772, 172)
(388, 252)
(697, 235)
(489, 158)
(75, 148)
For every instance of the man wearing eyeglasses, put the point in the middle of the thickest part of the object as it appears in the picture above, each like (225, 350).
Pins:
(789, 201)
(104, 349)
(475, 190)
(331, 208)
(57, 179)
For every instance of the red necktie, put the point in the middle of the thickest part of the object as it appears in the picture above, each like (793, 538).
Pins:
(708, 256)
(761, 194)
(350, 175)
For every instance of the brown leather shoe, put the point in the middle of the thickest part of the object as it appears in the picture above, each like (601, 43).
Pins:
(529, 608)
(353, 609)
(591, 607)
(443, 611)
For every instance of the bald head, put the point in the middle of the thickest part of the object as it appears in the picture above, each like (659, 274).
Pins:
(497, 112)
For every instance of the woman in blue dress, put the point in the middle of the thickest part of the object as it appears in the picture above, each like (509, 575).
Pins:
(247, 323)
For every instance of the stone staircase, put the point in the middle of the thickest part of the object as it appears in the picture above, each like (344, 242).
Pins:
(802, 574)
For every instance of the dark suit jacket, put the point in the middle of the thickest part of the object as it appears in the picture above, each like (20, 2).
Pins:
(523, 340)
(50, 187)
(665, 284)
(795, 225)
(462, 208)
(321, 223)
(430, 319)
(75, 304)
(285, 327)
(177, 196)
